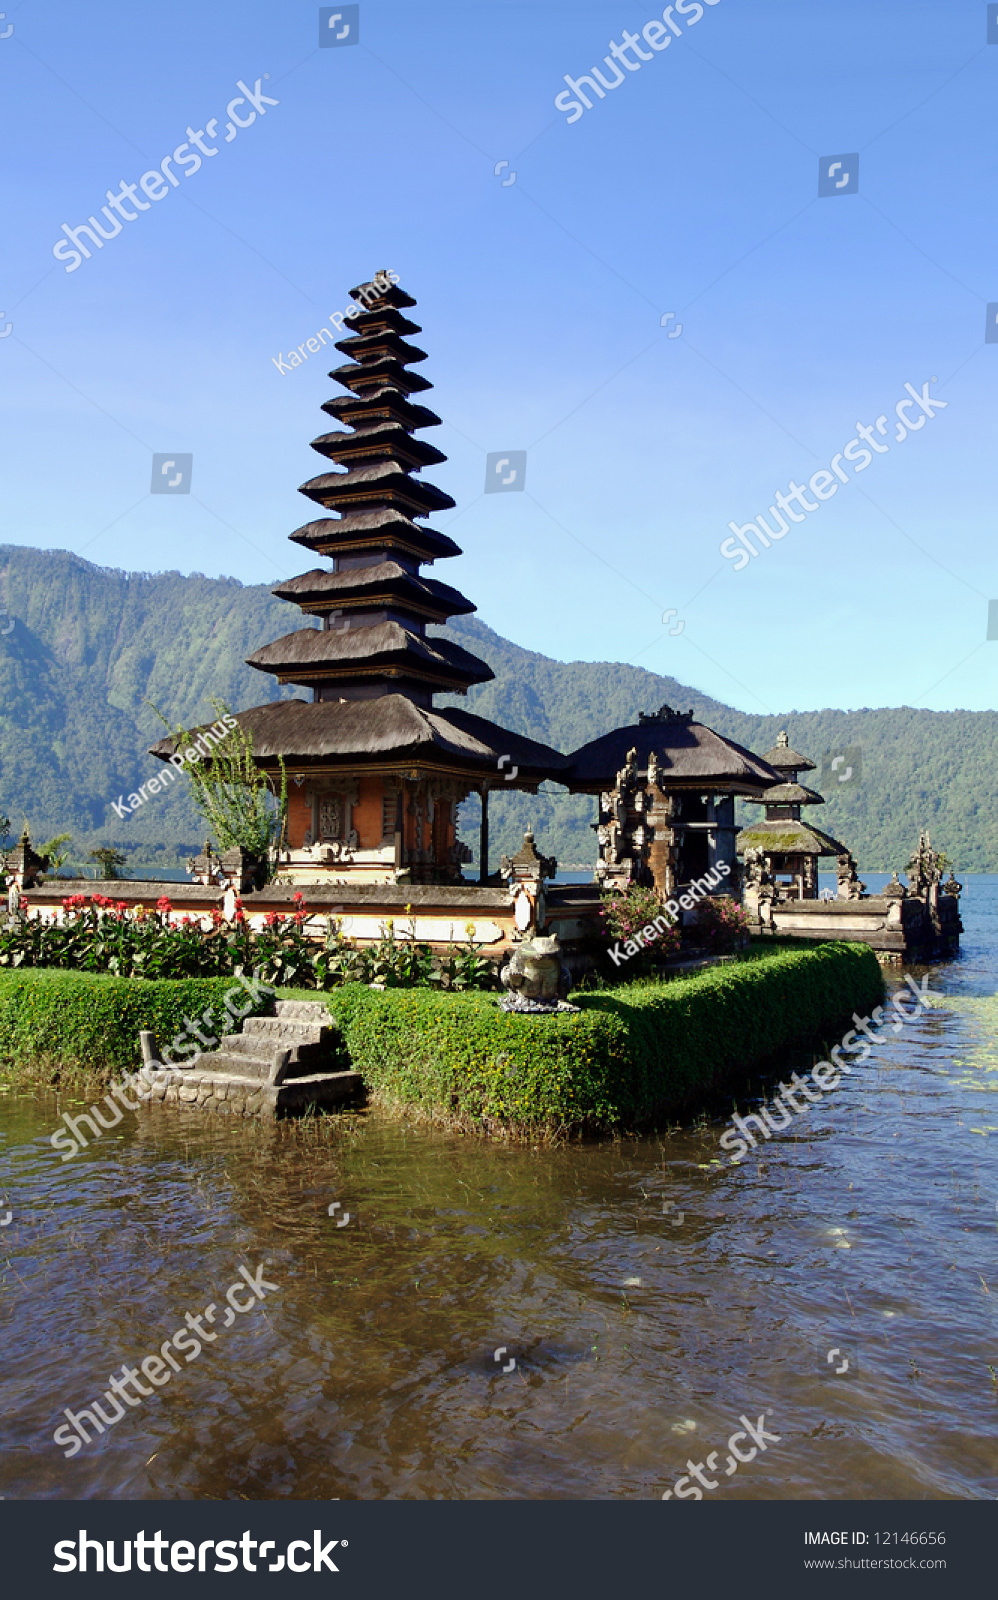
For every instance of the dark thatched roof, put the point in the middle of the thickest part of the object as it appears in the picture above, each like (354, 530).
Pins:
(382, 479)
(383, 645)
(357, 377)
(389, 295)
(383, 438)
(390, 730)
(385, 317)
(384, 527)
(378, 342)
(344, 407)
(687, 753)
(384, 583)
(791, 794)
(786, 760)
(788, 839)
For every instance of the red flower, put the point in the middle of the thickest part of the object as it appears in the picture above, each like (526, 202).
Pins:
(163, 904)
(273, 919)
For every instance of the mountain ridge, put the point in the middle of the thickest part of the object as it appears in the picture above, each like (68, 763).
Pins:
(91, 647)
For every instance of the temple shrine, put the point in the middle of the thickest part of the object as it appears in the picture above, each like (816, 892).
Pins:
(375, 771)
(781, 845)
(666, 788)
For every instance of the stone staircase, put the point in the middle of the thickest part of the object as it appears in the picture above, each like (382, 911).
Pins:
(277, 1066)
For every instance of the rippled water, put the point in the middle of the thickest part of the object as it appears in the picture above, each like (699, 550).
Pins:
(648, 1298)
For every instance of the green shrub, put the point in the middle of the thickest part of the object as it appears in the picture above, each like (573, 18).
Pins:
(90, 1022)
(630, 1055)
(627, 1057)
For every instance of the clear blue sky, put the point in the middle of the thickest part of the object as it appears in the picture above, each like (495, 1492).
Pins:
(690, 188)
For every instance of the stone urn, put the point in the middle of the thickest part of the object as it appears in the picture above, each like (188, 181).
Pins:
(535, 978)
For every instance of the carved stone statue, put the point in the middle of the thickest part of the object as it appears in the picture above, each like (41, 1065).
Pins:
(525, 875)
(924, 868)
(536, 978)
(850, 887)
(755, 869)
(24, 865)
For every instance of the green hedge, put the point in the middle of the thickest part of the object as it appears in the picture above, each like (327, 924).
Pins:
(630, 1055)
(91, 1022)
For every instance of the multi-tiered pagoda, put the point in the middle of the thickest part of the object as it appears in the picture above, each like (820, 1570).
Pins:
(376, 773)
(788, 848)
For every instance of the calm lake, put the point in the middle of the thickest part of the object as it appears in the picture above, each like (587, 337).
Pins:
(648, 1298)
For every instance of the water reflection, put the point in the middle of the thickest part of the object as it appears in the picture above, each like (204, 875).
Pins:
(648, 1296)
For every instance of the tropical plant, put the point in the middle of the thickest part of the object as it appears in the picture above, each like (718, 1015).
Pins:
(626, 911)
(56, 854)
(108, 860)
(99, 934)
(231, 792)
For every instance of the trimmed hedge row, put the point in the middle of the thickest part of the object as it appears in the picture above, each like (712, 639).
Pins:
(91, 1021)
(630, 1054)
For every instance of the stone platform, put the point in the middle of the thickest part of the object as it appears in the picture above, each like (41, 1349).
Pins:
(899, 929)
(279, 1066)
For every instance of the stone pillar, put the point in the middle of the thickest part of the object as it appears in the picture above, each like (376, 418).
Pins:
(483, 838)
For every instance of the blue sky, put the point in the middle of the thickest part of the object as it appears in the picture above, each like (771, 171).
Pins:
(690, 188)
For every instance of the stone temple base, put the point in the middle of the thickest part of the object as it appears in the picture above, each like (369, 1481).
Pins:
(207, 1091)
(269, 1070)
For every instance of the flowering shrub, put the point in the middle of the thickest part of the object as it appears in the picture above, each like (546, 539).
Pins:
(99, 934)
(721, 924)
(624, 914)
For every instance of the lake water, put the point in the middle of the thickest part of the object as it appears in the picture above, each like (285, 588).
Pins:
(648, 1298)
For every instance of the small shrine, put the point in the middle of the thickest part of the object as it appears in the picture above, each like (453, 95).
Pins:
(375, 770)
(25, 867)
(666, 790)
(782, 852)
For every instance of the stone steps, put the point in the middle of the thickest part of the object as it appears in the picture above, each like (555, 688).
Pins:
(278, 1065)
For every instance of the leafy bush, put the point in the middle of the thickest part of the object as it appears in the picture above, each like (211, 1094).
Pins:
(628, 1057)
(231, 792)
(100, 934)
(626, 912)
(91, 1022)
(721, 924)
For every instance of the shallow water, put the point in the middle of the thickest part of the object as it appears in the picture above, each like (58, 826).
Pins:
(647, 1297)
